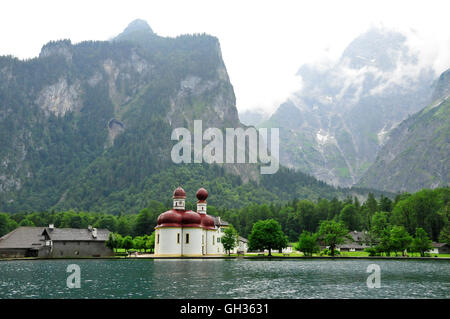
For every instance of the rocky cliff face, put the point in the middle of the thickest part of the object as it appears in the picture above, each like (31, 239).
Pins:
(88, 127)
(102, 107)
(416, 152)
(334, 127)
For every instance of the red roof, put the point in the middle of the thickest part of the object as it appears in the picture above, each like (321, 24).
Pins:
(184, 218)
(171, 218)
(179, 193)
(202, 194)
(207, 222)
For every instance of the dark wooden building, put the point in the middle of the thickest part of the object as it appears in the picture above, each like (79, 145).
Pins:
(51, 242)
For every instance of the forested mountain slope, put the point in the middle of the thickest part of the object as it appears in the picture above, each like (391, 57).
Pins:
(88, 126)
(416, 154)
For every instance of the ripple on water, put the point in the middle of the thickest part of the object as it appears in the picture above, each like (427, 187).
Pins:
(238, 278)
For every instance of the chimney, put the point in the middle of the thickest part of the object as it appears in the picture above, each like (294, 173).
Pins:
(94, 232)
(90, 228)
(51, 226)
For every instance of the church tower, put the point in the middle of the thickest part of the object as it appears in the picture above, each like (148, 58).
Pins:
(179, 199)
(202, 195)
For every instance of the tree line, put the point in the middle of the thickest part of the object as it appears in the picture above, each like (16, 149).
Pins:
(382, 217)
(144, 243)
(426, 209)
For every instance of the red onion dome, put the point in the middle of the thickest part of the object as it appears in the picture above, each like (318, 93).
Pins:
(171, 218)
(191, 219)
(179, 193)
(202, 194)
(207, 222)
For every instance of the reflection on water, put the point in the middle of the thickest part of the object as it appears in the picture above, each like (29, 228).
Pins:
(218, 278)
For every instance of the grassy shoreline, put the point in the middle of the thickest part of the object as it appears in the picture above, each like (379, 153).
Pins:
(234, 256)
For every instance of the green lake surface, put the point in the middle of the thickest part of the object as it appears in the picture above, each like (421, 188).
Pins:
(224, 278)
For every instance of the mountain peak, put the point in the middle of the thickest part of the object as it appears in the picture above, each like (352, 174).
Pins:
(136, 28)
(138, 25)
(376, 47)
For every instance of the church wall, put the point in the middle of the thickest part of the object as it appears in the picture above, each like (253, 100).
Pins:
(168, 241)
(194, 248)
(211, 242)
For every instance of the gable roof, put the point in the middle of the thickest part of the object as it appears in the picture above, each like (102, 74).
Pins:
(23, 237)
(219, 221)
(439, 245)
(75, 234)
(245, 240)
(358, 236)
(357, 240)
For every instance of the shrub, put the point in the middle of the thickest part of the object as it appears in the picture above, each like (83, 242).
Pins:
(372, 251)
(327, 252)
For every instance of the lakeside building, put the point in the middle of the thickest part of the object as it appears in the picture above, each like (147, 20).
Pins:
(242, 246)
(185, 233)
(439, 248)
(52, 242)
(356, 243)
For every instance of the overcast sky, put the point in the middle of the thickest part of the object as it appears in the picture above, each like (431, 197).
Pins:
(263, 42)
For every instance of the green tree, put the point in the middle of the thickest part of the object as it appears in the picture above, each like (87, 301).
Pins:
(145, 222)
(379, 234)
(267, 234)
(380, 222)
(384, 241)
(400, 239)
(444, 236)
(421, 242)
(333, 233)
(150, 242)
(371, 203)
(307, 243)
(385, 204)
(114, 241)
(139, 243)
(4, 224)
(349, 217)
(107, 222)
(230, 239)
(421, 210)
(307, 216)
(370, 208)
(123, 226)
(26, 222)
(127, 243)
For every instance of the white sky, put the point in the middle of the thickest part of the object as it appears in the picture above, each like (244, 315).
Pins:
(263, 42)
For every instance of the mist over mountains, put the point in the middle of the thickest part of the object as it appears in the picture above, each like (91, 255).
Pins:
(88, 126)
(335, 126)
(415, 155)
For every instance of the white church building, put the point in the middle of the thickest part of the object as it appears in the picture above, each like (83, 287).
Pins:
(185, 233)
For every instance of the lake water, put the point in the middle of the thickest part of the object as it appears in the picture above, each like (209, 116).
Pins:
(225, 278)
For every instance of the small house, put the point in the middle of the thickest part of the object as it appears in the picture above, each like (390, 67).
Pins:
(440, 248)
(356, 243)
